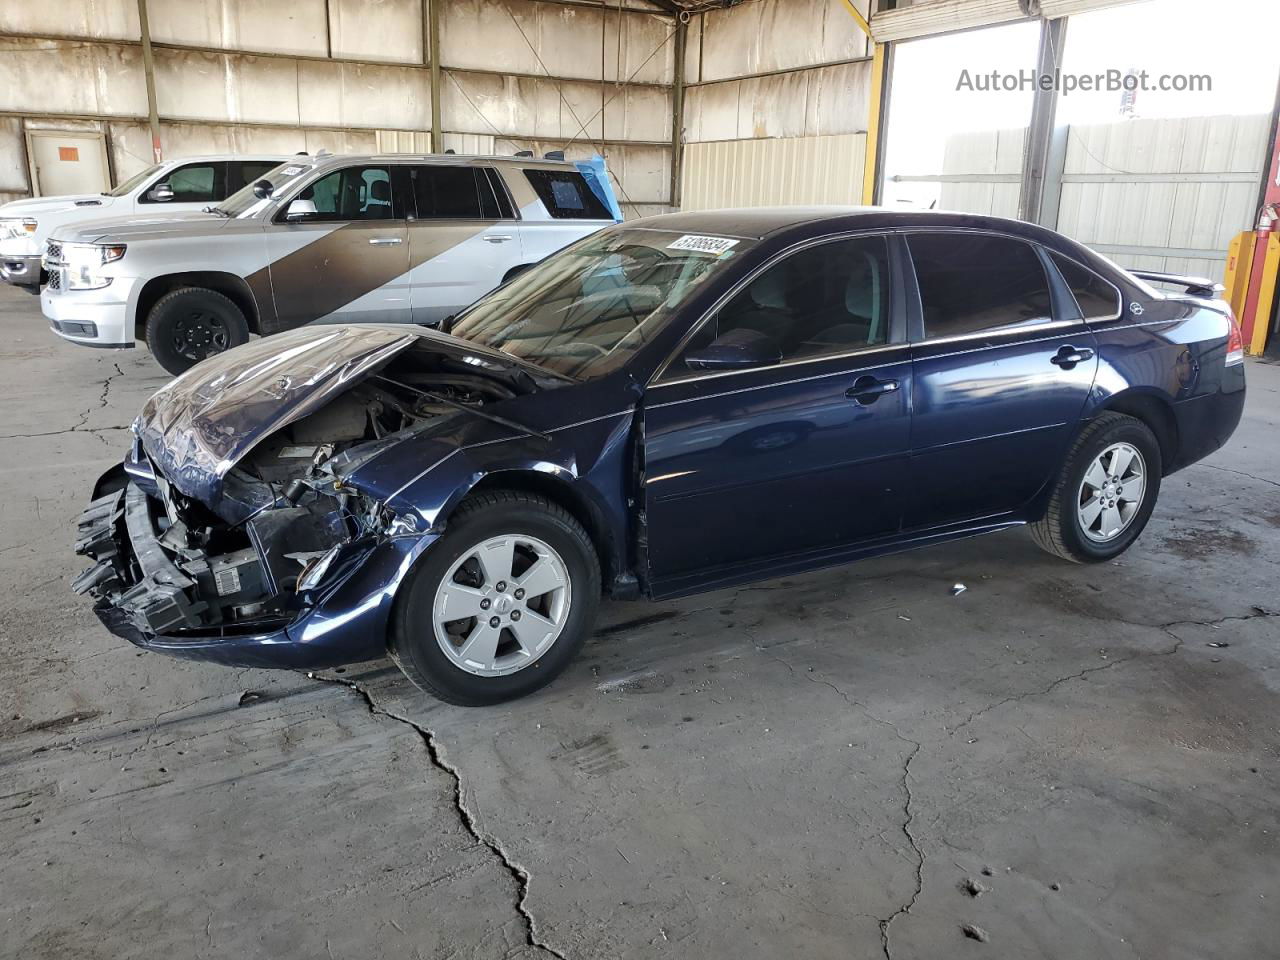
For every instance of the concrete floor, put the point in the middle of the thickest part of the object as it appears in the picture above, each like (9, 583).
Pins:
(1065, 761)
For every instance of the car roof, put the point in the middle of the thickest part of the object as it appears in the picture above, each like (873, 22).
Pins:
(760, 222)
(219, 157)
(444, 159)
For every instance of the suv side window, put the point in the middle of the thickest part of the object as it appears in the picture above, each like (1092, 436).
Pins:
(970, 283)
(1097, 298)
(566, 195)
(356, 193)
(193, 183)
(829, 299)
(242, 172)
(451, 193)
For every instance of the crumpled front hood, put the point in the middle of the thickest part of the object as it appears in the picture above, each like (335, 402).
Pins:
(200, 425)
(88, 202)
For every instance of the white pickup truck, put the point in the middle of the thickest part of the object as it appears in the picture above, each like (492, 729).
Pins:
(175, 186)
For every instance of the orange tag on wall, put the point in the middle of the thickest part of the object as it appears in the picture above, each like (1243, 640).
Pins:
(71, 154)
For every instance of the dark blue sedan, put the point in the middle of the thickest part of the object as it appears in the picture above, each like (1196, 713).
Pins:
(670, 406)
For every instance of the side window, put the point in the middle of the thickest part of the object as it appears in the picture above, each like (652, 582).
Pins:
(194, 183)
(828, 299)
(447, 193)
(1096, 298)
(242, 172)
(974, 282)
(566, 195)
(356, 193)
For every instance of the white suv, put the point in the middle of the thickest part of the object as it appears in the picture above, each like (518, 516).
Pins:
(388, 239)
(175, 186)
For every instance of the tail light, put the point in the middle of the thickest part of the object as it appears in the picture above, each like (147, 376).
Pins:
(1235, 340)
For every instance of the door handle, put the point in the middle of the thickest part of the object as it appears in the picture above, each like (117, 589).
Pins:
(867, 390)
(1068, 357)
(497, 237)
(384, 241)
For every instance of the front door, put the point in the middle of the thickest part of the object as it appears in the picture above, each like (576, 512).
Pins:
(1000, 378)
(191, 186)
(463, 240)
(796, 457)
(347, 259)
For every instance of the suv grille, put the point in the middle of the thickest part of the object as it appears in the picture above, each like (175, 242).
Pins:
(55, 279)
(53, 251)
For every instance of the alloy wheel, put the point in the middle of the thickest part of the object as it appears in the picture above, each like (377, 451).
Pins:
(502, 605)
(1111, 492)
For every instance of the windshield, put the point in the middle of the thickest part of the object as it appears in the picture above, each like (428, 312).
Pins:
(587, 310)
(243, 203)
(129, 185)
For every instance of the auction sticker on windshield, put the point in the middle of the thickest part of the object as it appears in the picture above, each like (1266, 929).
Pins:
(700, 244)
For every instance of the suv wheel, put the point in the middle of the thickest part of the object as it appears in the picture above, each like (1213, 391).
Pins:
(192, 323)
(500, 604)
(1105, 493)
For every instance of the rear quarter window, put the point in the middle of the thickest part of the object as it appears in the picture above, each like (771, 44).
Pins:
(1098, 299)
(566, 195)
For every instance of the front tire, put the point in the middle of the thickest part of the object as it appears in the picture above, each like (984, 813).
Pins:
(500, 604)
(191, 324)
(1105, 493)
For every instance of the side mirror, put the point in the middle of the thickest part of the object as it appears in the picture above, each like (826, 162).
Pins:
(300, 210)
(263, 189)
(161, 193)
(737, 349)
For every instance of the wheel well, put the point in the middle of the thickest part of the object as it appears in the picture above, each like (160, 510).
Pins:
(227, 284)
(1156, 414)
(562, 494)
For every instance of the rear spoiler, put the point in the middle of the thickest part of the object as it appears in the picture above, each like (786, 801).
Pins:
(1195, 286)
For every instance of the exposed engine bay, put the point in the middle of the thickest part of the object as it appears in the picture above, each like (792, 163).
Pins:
(170, 564)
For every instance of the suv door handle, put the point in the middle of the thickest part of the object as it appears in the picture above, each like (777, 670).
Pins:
(867, 390)
(1068, 357)
(497, 237)
(383, 241)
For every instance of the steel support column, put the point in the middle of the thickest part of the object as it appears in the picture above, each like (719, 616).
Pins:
(677, 112)
(1045, 155)
(432, 50)
(149, 73)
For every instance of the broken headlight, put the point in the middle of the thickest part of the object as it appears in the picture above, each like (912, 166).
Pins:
(316, 569)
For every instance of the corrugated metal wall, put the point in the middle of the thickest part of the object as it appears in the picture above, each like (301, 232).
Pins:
(746, 173)
(778, 113)
(347, 76)
(1165, 194)
(984, 168)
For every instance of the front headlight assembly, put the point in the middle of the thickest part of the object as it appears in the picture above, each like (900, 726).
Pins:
(16, 228)
(83, 263)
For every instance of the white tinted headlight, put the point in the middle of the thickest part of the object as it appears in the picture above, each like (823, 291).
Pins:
(17, 227)
(84, 260)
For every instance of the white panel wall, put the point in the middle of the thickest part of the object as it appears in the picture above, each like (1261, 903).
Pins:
(775, 35)
(748, 173)
(1188, 185)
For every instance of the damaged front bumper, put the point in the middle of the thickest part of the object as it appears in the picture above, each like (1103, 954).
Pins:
(160, 600)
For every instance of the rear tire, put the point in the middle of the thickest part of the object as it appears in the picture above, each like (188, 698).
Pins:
(453, 650)
(1091, 518)
(191, 324)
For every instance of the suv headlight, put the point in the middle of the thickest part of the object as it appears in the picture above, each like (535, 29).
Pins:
(84, 260)
(15, 228)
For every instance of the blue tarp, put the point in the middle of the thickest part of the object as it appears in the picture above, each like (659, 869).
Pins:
(598, 180)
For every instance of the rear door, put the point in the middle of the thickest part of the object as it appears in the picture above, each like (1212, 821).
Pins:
(194, 185)
(1002, 368)
(463, 238)
(348, 260)
(798, 458)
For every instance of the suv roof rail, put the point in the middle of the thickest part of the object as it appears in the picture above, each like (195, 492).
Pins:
(523, 153)
(553, 155)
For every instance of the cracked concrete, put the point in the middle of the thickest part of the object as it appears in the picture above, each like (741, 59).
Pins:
(1070, 762)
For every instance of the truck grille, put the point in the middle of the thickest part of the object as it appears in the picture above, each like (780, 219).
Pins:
(53, 252)
(55, 279)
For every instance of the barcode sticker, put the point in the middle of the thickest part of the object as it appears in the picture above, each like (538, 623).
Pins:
(700, 244)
